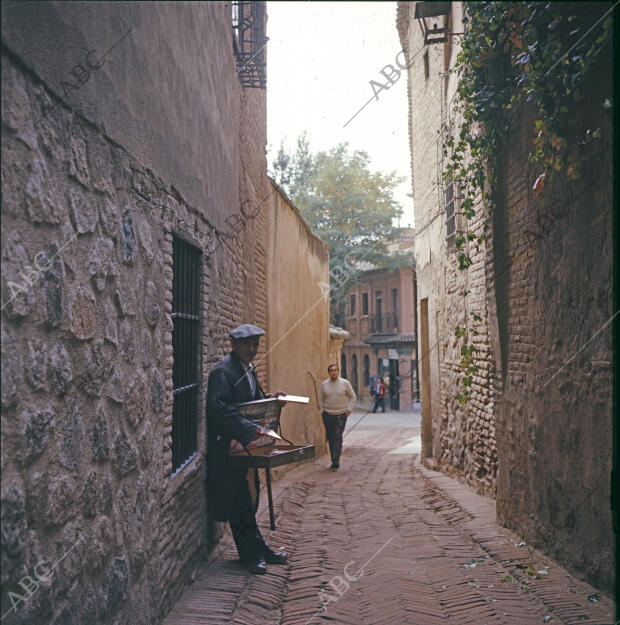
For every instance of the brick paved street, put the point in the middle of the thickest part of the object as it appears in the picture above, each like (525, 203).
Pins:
(423, 549)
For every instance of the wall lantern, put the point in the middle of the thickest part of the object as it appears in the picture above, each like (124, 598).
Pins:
(433, 18)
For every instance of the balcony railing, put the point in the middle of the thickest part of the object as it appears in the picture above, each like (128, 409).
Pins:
(384, 324)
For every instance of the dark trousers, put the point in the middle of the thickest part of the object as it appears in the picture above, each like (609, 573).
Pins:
(247, 536)
(334, 427)
(377, 400)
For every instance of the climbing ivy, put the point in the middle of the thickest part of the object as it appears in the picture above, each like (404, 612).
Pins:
(514, 53)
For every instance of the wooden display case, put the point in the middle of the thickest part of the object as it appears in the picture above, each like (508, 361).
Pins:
(264, 453)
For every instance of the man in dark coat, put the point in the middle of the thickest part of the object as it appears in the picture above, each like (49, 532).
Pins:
(234, 381)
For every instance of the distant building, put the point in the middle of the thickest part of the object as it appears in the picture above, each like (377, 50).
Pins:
(379, 314)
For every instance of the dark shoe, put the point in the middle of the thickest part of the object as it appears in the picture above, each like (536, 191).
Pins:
(276, 557)
(258, 567)
(335, 465)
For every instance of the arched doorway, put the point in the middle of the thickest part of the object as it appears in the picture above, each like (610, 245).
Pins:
(343, 365)
(354, 373)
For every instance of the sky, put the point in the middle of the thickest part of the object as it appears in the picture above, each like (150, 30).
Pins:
(321, 58)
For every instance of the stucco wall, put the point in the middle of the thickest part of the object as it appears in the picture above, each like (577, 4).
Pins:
(157, 142)
(298, 321)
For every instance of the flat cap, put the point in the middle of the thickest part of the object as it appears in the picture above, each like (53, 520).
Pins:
(246, 331)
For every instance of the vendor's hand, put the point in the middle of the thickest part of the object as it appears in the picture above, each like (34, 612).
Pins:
(279, 394)
(257, 434)
(347, 412)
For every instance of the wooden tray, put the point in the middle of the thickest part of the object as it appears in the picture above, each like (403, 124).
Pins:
(271, 456)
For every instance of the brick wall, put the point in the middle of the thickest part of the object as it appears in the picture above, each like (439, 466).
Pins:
(553, 264)
(460, 437)
(540, 413)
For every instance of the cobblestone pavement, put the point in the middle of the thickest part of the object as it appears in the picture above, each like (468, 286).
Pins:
(386, 541)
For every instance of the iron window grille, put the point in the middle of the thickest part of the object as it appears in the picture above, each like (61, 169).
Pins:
(186, 275)
(450, 217)
(250, 41)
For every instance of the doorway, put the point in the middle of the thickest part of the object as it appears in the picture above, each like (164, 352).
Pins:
(425, 374)
(394, 385)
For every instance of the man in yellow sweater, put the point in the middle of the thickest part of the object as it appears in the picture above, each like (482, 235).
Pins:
(336, 402)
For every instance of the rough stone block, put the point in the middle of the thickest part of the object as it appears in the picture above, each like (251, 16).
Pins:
(70, 446)
(60, 500)
(82, 313)
(157, 391)
(114, 589)
(145, 445)
(11, 369)
(35, 365)
(90, 496)
(41, 203)
(95, 368)
(37, 427)
(125, 455)
(84, 211)
(110, 327)
(101, 262)
(99, 443)
(151, 304)
(138, 399)
(106, 499)
(115, 388)
(128, 237)
(125, 298)
(13, 531)
(145, 345)
(78, 164)
(19, 277)
(146, 240)
(59, 370)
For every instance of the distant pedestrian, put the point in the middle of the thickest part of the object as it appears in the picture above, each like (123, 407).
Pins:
(336, 402)
(379, 392)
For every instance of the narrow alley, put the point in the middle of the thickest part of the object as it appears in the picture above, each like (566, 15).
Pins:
(384, 540)
(228, 229)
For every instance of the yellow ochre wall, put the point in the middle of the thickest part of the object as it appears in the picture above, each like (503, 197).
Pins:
(298, 317)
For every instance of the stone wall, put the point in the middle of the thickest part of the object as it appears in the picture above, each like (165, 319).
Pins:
(96, 179)
(460, 437)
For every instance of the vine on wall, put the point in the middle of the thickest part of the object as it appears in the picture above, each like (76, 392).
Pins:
(513, 53)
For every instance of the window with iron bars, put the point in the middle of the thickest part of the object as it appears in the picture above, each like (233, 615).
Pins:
(186, 351)
(249, 41)
(450, 217)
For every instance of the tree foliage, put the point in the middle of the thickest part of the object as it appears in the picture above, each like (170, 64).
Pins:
(350, 207)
